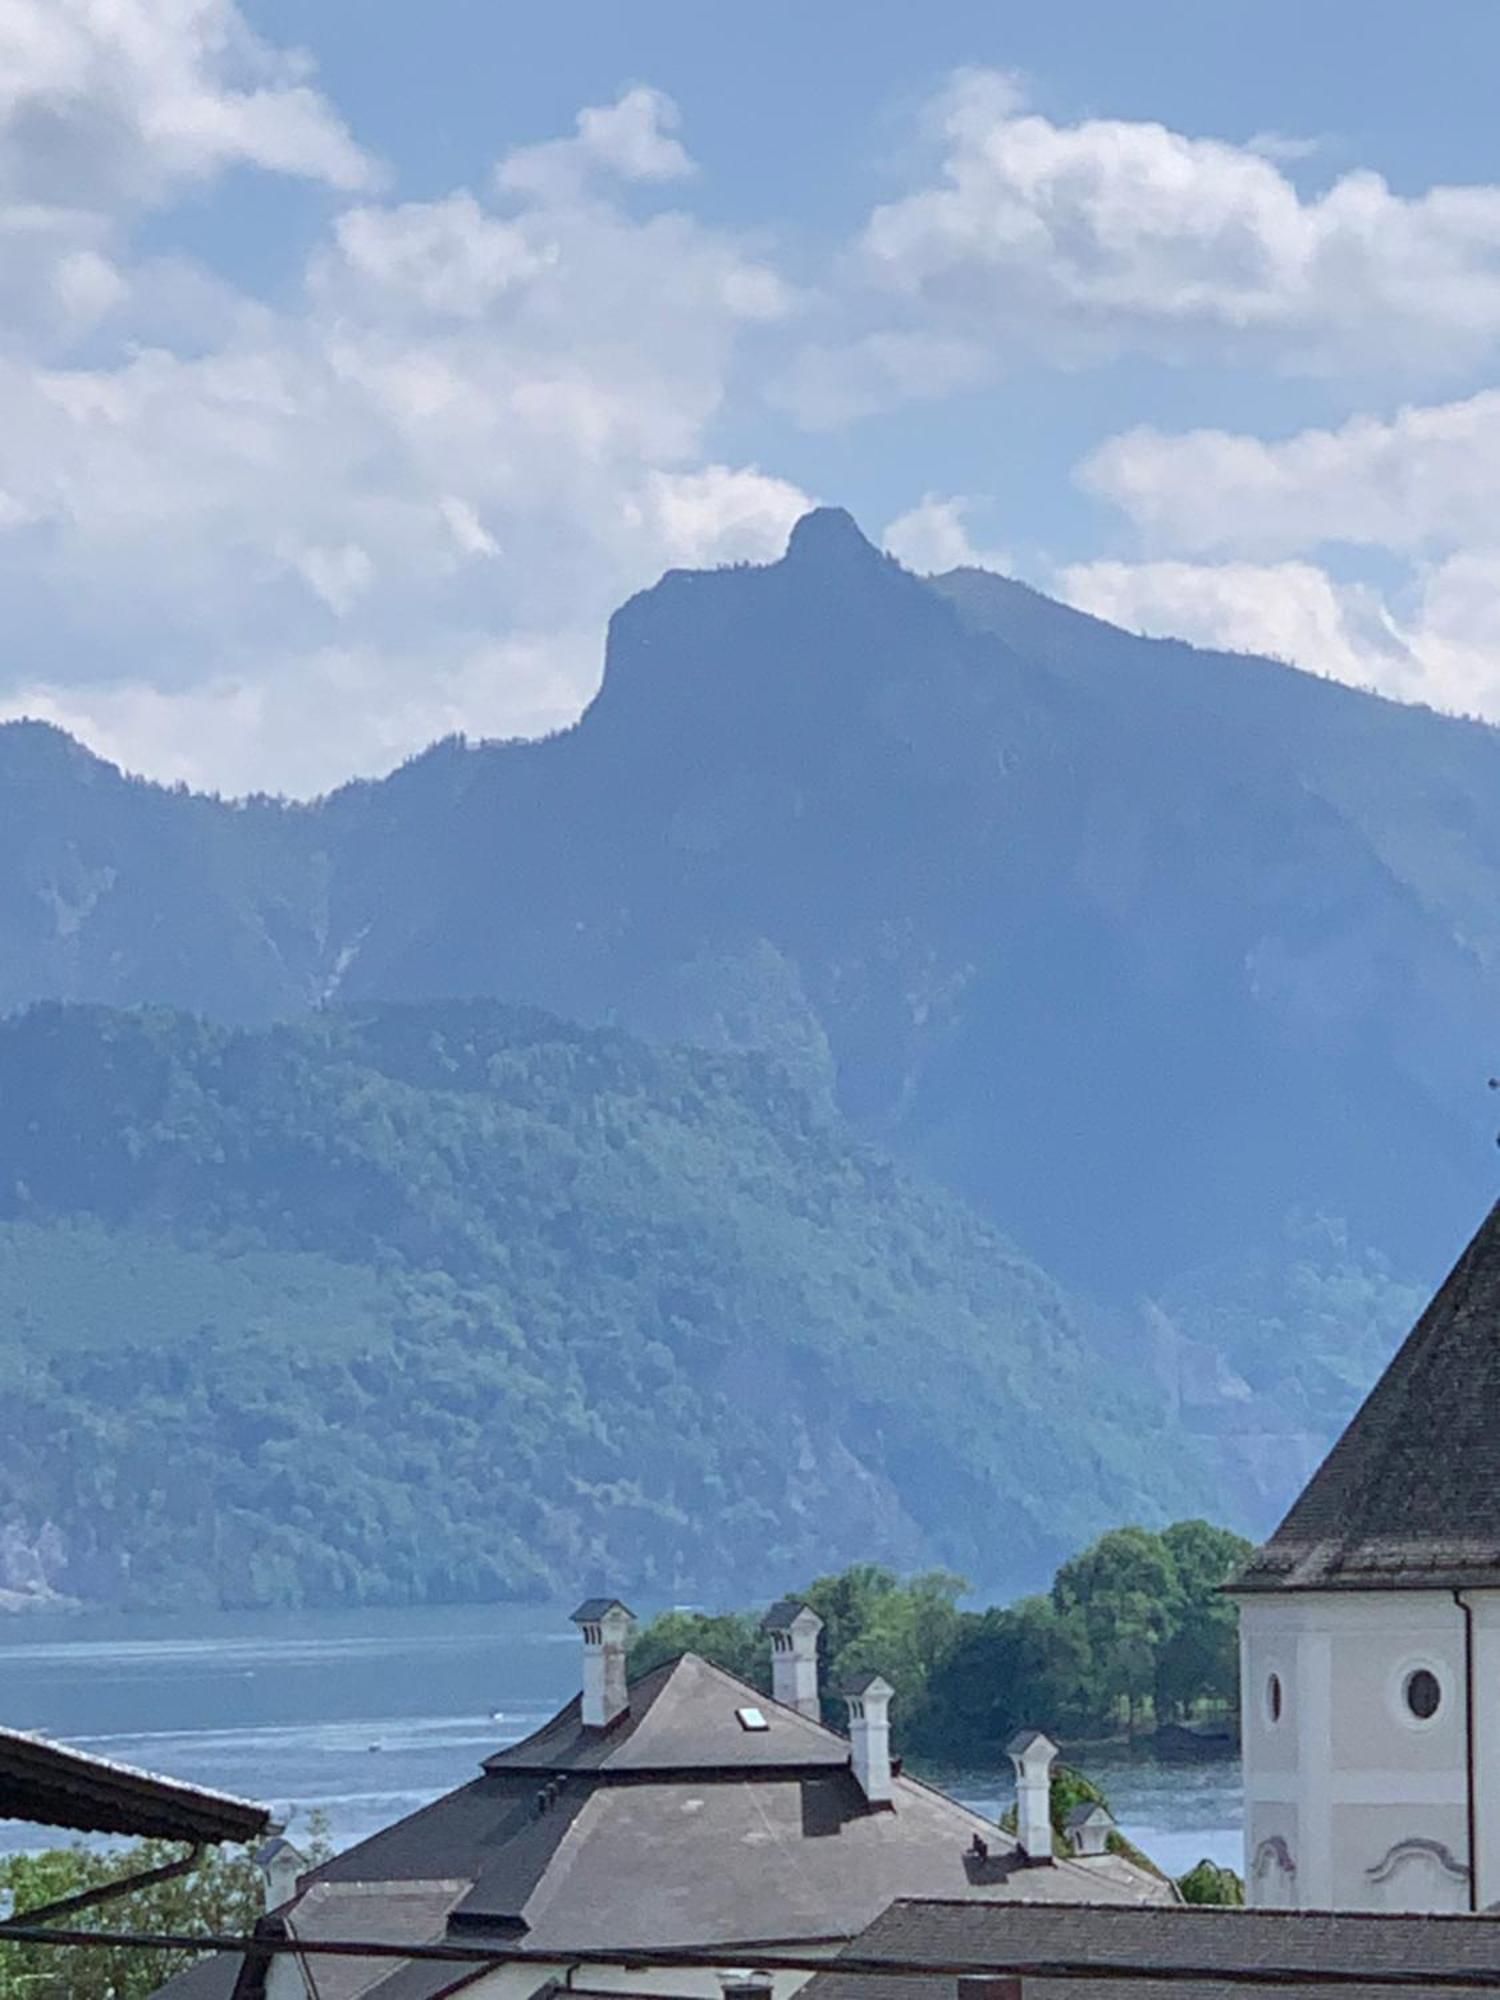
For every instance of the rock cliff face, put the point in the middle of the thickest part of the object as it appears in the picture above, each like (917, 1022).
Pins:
(33, 1564)
(1147, 952)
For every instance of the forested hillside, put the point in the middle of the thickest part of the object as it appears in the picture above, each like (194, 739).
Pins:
(1183, 969)
(457, 1301)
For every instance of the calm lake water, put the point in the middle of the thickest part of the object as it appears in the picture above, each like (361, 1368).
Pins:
(367, 1715)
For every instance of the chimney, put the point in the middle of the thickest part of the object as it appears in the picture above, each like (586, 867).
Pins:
(605, 1623)
(1033, 1754)
(744, 1985)
(869, 1699)
(279, 1864)
(794, 1627)
(1088, 1829)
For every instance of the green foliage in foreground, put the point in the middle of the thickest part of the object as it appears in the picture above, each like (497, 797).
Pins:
(1133, 1630)
(223, 1895)
(458, 1301)
(1209, 1883)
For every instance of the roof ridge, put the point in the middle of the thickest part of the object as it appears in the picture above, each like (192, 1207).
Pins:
(1388, 1508)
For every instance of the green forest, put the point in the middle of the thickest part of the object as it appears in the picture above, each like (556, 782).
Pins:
(456, 1302)
(1134, 1633)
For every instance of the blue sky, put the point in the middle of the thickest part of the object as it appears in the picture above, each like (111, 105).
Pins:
(356, 359)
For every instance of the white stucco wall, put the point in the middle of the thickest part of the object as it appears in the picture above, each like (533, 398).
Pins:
(1351, 1801)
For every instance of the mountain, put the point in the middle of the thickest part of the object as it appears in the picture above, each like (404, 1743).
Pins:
(1171, 963)
(455, 1301)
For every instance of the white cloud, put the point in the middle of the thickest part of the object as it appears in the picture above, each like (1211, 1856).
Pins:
(1292, 611)
(269, 548)
(448, 258)
(1420, 488)
(631, 139)
(1073, 243)
(266, 726)
(107, 101)
(720, 514)
(933, 537)
(1425, 477)
(1282, 146)
(1443, 649)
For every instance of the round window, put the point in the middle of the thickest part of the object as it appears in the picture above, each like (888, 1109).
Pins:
(1273, 1697)
(1423, 1694)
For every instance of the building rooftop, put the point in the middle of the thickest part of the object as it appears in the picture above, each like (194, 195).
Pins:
(1409, 1497)
(993, 1938)
(593, 1609)
(676, 1826)
(45, 1784)
(785, 1612)
(681, 1718)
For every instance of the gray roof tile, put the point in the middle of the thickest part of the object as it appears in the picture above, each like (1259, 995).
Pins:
(45, 1784)
(681, 1717)
(993, 1936)
(784, 1613)
(1409, 1497)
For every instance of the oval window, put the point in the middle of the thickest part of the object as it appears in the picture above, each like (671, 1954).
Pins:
(1423, 1694)
(1273, 1697)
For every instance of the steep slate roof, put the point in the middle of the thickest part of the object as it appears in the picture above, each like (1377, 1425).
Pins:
(785, 1612)
(676, 1826)
(992, 1936)
(47, 1785)
(681, 1718)
(1409, 1497)
(1086, 1813)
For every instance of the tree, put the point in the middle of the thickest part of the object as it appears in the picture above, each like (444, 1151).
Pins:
(1127, 1588)
(1199, 1660)
(1209, 1883)
(223, 1895)
(904, 1631)
(1025, 1664)
(732, 1640)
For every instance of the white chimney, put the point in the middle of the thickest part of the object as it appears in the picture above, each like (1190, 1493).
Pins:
(742, 1985)
(1088, 1829)
(869, 1699)
(794, 1627)
(279, 1864)
(1033, 1754)
(605, 1623)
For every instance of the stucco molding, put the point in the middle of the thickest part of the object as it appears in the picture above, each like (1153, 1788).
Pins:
(1417, 1847)
(1272, 1853)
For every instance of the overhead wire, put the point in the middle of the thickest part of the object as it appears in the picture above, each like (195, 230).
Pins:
(853, 1965)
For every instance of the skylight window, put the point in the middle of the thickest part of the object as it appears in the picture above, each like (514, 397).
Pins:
(751, 1718)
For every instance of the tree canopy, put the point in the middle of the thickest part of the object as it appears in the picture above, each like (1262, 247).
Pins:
(1134, 1631)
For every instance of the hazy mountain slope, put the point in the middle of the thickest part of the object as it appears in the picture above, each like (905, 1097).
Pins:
(1155, 954)
(1104, 944)
(458, 1300)
(120, 891)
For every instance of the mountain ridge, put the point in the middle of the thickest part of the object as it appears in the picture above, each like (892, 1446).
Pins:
(1164, 960)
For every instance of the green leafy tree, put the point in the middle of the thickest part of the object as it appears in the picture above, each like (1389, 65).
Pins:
(1135, 1623)
(1025, 1664)
(1199, 1659)
(1128, 1591)
(1209, 1883)
(731, 1639)
(903, 1631)
(224, 1895)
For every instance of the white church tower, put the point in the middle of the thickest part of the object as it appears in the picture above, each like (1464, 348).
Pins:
(1370, 1638)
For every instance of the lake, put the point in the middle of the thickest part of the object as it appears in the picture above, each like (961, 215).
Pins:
(365, 1715)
